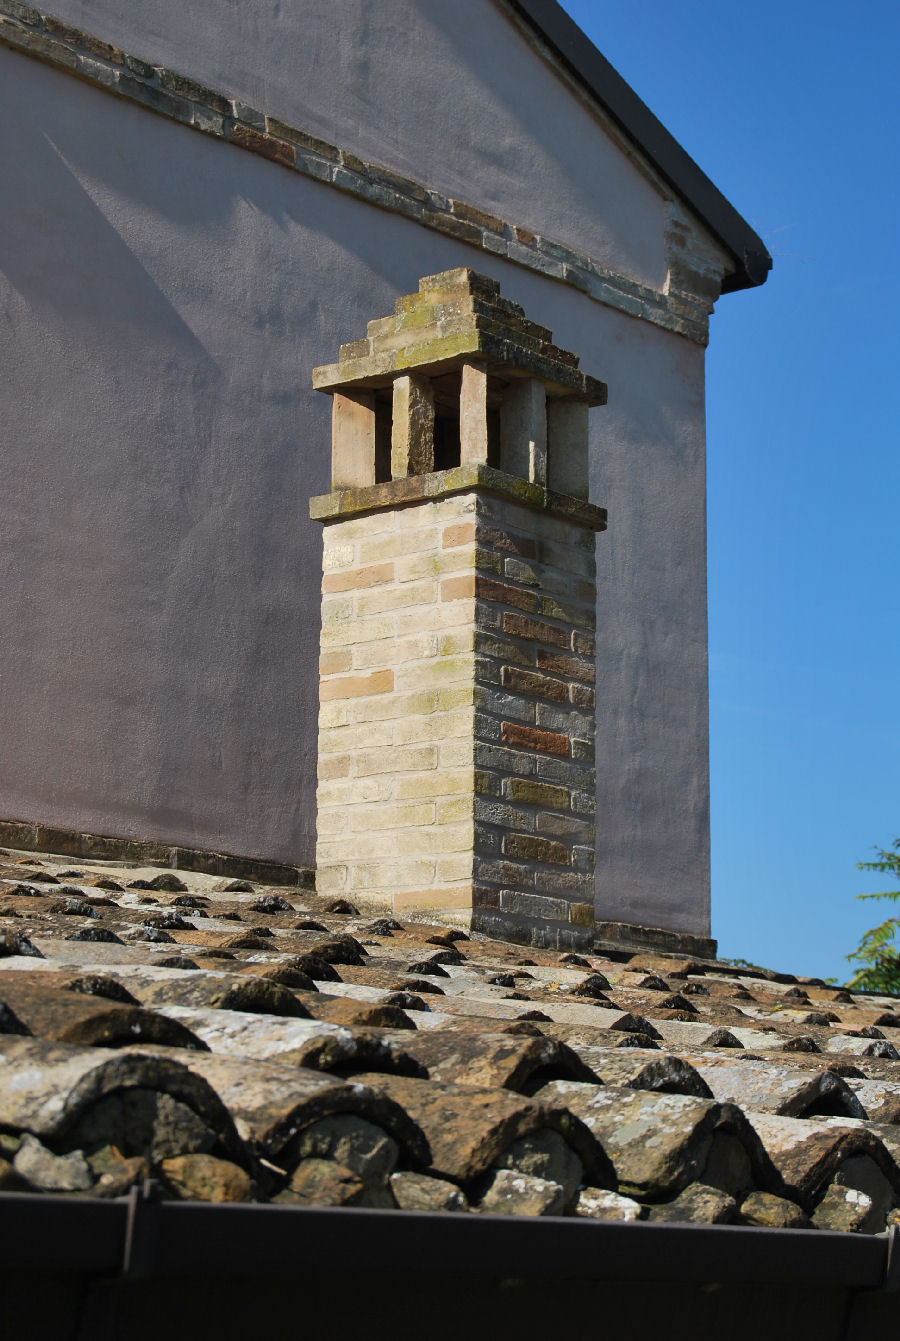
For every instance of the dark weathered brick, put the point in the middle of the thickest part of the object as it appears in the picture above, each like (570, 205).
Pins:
(529, 738)
(532, 793)
(24, 13)
(139, 67)
(486, 784)
(507, 541)
(458, 228)
(189, 88)
(582, 696)
(529, 847)
(276, 150)
(565, 827)
(476, 216)
(168, 104)
(583, 615)
(529, 682)
(82, 40)
(37, 44)
(282, 131)
(533, 905)
(584, 643)
(503, 873)
(584, 751)
(565, 882)
(535, 630)
(573, 668)
(486, 589)
(250, 116)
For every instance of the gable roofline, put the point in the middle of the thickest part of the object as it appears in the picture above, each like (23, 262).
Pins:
(593, 71)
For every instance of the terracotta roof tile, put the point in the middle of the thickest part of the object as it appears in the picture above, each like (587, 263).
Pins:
(243, 1043)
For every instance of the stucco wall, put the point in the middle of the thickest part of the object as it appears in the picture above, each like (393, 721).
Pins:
(450, 94)
(165, 298)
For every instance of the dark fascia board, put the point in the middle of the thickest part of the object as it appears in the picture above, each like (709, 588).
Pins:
(142, 1236)
(578, 53)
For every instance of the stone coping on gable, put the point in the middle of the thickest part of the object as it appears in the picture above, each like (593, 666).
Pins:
(212, 112)
(341, 503)
(25, 836)
(627, 937)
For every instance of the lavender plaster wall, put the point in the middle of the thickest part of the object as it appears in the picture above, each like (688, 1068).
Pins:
(165, 298)
(449, 94)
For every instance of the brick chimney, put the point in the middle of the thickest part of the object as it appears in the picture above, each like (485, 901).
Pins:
(456, 730)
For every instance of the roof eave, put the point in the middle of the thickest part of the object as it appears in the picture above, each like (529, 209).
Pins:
(576, 51)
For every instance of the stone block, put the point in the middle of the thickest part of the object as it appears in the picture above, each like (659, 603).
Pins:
(567, 446)
(353, 439)
(473, 423)
(523, 430)
(412, 431)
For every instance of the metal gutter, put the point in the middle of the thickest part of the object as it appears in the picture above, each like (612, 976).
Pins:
(578, 53)
(142, 1236)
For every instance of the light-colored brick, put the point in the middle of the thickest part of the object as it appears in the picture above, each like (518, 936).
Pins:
(336, 610)
(461, 639)
(455, 696)
(338, 766)
(454, 866)
(458, 588)
(458, 533)
(444, 896)
(391, 816)
(338, 556)
(439, 726)
(348, 632)
(395, 651)
(330, 879)
(332, 663)
(395, 705)
(352, 579)
(434, 839)
(447, 782)
(456, 753)
(347, 739)
(333, 714)
(435, 673)
(387, 875)
(337, 792)
(410, 759)
(453, 809)
(357, 686)
(434, 564)
(442, 617)
(381, 599)
(349, 847)
(335, 820)
(395, 543)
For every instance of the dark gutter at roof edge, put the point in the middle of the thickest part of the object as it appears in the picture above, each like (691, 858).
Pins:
(619, 99)
(139, 1235)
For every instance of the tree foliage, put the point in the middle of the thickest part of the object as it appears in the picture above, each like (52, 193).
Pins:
(878, 954)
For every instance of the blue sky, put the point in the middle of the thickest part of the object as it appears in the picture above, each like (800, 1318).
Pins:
(792, 110)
